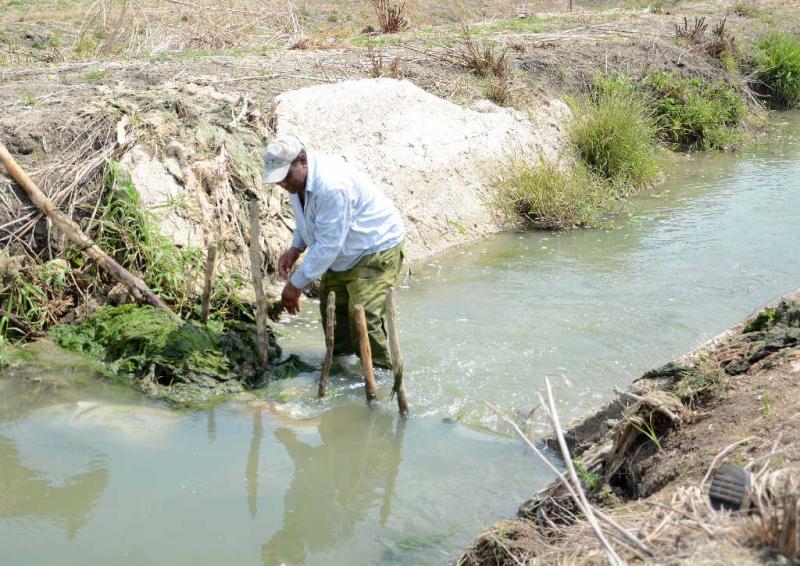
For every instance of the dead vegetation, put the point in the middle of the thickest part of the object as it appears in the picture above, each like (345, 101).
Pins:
(719, 44)
(379, 69)
(653, 468)
(391, 17)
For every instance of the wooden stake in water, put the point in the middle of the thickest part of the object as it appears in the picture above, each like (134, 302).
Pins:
(394, 349)
(330, 320)
(370, 386)
(208, 283)
(261, 299)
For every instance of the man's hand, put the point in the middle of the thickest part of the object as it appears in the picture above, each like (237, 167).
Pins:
(286, 262)
(291, 298)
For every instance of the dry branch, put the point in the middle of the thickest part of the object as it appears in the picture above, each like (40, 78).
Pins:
(394, 348)
(208, 282)
(72, 231)
(258, 286)
(330, 321)
(370, 387)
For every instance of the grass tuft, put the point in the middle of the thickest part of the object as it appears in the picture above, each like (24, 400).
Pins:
(542, 195)
(702, 382)
(615, 135)
(777, 68)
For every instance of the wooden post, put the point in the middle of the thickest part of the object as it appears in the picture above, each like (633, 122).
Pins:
(208, 284)
(73, 232)
(258, 288)
(394, 349)
(370, 387)
(330, 320)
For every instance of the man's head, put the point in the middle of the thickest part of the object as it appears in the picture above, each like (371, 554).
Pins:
(286, 164)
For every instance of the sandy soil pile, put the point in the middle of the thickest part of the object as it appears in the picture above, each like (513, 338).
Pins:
(430, 156)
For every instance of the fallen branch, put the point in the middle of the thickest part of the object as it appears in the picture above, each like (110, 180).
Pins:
(583, 503)
(21, 324)
(72, 231)
(561, 477)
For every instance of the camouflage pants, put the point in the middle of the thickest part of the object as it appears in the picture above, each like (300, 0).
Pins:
(365, 284)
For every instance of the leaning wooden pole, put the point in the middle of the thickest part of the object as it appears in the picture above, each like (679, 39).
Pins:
(258, 287)
(394, 349)
(330, 320)
(72, 231)
(208, 283)
(370, 387)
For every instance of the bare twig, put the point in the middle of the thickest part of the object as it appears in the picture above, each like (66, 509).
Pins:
(725, 451)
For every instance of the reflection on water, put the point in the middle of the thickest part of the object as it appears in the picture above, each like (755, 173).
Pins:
(29, 493)
(243, 484)
(351, 471)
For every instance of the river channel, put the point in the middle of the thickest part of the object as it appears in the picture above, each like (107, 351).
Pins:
(93, 473)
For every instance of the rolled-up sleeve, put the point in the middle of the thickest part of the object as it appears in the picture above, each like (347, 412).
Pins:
(333, 219)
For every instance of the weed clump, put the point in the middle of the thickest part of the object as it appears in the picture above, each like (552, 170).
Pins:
(126, 232)
(701, 382)
(777, 67)
(694, 114)
(181, 361)
(544, 196)
(615, 135)
(33, 295)
(762, 321)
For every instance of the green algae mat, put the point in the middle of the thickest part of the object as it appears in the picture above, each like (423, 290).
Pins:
(180, 361)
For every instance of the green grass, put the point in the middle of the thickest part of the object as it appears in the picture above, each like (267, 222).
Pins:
(694, 114)
(541, 195)
(615, 135)
(777, 66)
(648, 429)
(4, 361)
(750, 10)
(126, 232)
(36, 293)
(700, 383)
(591, 481)
(765, 319)
(98, 75)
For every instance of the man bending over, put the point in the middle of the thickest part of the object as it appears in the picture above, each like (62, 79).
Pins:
(354, 238)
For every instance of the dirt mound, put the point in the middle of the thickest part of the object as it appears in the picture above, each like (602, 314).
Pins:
(429, 155)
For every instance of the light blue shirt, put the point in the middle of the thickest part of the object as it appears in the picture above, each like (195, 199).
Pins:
(345, 218)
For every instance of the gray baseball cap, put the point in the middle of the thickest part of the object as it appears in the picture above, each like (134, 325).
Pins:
(278, 156)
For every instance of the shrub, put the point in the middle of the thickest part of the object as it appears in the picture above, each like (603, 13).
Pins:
(615, 135)
(542, 195)
(391, 17)
(777, 67)
(694, 114)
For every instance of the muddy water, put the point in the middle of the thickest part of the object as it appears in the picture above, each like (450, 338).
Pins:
(92, 473)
